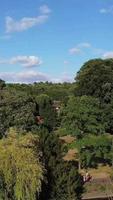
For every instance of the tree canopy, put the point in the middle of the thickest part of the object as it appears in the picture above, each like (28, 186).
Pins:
(82, 116)
(95, 78)
(32, 165)
(21, 172)
(63, 180)
(46, 111)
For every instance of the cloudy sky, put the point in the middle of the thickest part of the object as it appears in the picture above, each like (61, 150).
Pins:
(49, 40)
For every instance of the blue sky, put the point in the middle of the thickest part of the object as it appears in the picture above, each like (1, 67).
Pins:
(49, 40)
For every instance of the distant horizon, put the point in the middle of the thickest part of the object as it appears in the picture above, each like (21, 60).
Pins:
(50, 40)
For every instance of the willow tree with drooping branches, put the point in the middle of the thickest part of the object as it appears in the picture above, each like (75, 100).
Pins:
(21, 172)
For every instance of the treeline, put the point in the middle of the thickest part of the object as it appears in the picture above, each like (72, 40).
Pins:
(33, 117)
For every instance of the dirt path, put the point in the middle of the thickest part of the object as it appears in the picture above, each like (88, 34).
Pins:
(99, 188)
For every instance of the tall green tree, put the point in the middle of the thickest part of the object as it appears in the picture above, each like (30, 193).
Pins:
(82, 116)
(2, 84)
(21, 172)
(63, 179)
(95, 78)
(46, 111)
(17, 110)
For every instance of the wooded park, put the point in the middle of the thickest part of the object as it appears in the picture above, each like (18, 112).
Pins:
(51, 134)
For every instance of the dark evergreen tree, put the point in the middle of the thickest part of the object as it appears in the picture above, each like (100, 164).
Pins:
(46, 111)
(2, 84)
(63, 180)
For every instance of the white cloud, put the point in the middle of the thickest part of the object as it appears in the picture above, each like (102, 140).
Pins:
(66, 79)
(33, 76)
(25, 23)
(26, 61)
(24, 77)
(74, 51)
(108, 54)
(88, 48)
(79, 47)
(44, 9)
(84, 45)
(106, 10)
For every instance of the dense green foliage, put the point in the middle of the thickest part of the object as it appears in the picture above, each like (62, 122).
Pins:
(82, 116)
(95, 78)
(2, 84)
(62, 177)
(46, 111)
(83, 109)
(94, 150)
(21, 172)
(56, 91)
(20, 107)
(17, 110)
